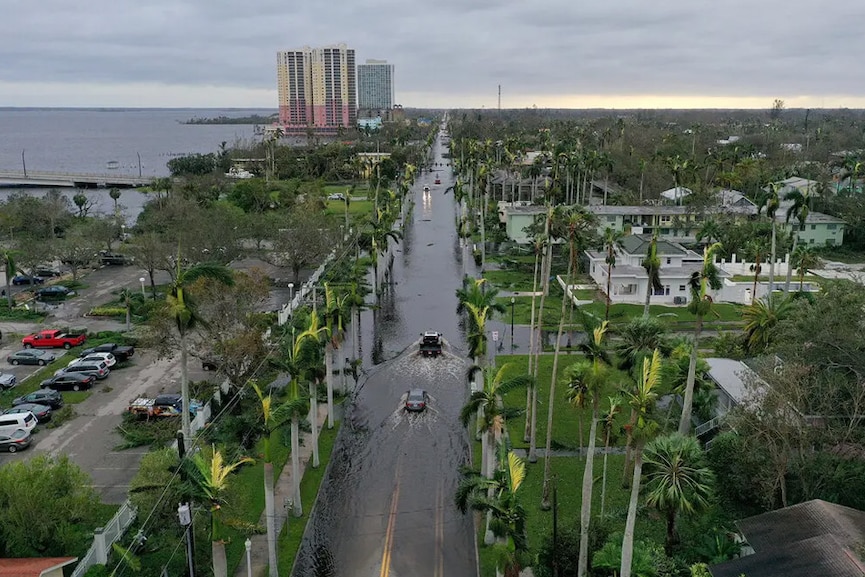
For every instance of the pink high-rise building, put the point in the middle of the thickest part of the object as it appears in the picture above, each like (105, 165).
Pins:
(317, 89)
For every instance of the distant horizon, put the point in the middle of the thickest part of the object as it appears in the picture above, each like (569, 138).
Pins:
(275, 110)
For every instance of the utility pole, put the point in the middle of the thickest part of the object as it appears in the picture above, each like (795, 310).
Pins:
(24, 163)
(500, 97)
(185, 509)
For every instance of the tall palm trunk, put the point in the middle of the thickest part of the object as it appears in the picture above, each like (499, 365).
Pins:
(688, 401)
(604, 474)
(588, 480)
(628, 539)
(548, 257)
(648, 298)
(329, 352)
(530, 410)
(756, 276)
(186, 424)
(220, 565)
(545, 498)
(270, 510)
(790, 264)
(313, 421)
(629, 450)
(295, 464)
(609, 298)
(772, 266)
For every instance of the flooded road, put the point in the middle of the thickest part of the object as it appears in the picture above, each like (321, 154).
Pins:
(386, 510)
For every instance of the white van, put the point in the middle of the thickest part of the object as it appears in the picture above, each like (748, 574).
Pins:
(11, 423)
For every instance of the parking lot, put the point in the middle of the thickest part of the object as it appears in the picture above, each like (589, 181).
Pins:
(90, 439)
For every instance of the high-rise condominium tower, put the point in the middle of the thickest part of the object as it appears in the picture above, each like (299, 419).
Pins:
(317, 89)
(375, 85)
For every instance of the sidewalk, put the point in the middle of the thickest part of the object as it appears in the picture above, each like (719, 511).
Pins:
(283, 489)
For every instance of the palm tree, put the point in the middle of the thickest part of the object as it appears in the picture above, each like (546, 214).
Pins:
(612, 240)
(538, 245)
(710, 230)
(700, 305)
(761, 319)
(273, 419)
(771, 201)
(638, 339)
(127, 296)
(609, 422)
(756, 250)
(182, 309)
(508, 518)
(209, 479)
(335, 317)
(590, 376)
(480, 304)
(114, 193)
(293, 361)
(804, 258)
(652, 264)
(677, 480)
(800, 210)
(546, 263)
(642, 401)
(11, 270)
(486, 402)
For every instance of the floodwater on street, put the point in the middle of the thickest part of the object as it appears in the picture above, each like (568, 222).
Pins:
(387, 507)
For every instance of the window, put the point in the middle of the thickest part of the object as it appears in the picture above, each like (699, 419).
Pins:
(669, 260)
(683, 288)
(813, 227)
(831, 226)
(666, 290)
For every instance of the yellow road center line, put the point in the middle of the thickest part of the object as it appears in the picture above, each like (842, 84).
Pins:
(388, 535)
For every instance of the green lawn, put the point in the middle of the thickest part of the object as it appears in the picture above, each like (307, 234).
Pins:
(289, 539)
(566, 418)
(356, 208)
(246, 497)
(567, 474)
(511, 281)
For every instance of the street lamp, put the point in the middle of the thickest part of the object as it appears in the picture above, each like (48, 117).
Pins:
(141, 280)
(513, 301)
(248, 557)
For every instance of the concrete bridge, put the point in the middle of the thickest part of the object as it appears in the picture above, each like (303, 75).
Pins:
(42, 179)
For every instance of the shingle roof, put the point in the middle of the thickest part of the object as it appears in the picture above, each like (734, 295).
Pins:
(639, 244)
(804, 540)
(32, 567)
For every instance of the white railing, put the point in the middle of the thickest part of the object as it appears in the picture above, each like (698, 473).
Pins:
(708, 426)
(104, 537)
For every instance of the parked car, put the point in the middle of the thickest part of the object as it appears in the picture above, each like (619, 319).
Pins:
(336, 196)
(53, 292)
(416, 400)
(97, 368)
(48, 271)
(7, 381)
(23, 279)
(16, 441)
(69, 381)
(121, 353)
(106, 358)
(31, 357)
(114, 258)
(48, 397)
(41, 412)
(53, 339)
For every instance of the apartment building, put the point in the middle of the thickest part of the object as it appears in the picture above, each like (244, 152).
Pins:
(375, 85)
(317, 89)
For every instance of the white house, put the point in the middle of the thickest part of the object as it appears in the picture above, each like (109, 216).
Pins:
(629, 279)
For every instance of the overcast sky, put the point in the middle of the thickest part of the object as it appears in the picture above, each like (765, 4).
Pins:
(448, 53)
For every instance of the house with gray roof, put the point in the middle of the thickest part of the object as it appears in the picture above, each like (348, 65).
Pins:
(811, 539)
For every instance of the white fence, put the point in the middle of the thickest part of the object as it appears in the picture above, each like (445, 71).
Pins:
(104, 537)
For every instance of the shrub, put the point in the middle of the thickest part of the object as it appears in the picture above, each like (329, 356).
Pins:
(107, 312)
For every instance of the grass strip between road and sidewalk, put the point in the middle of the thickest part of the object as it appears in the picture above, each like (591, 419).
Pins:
(292, 535)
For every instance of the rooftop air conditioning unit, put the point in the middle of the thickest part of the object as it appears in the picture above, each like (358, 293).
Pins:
(680, 300)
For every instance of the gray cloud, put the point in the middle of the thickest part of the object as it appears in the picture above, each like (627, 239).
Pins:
(460, 47)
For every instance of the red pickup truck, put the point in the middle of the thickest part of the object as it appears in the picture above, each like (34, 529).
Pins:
(53, 339)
